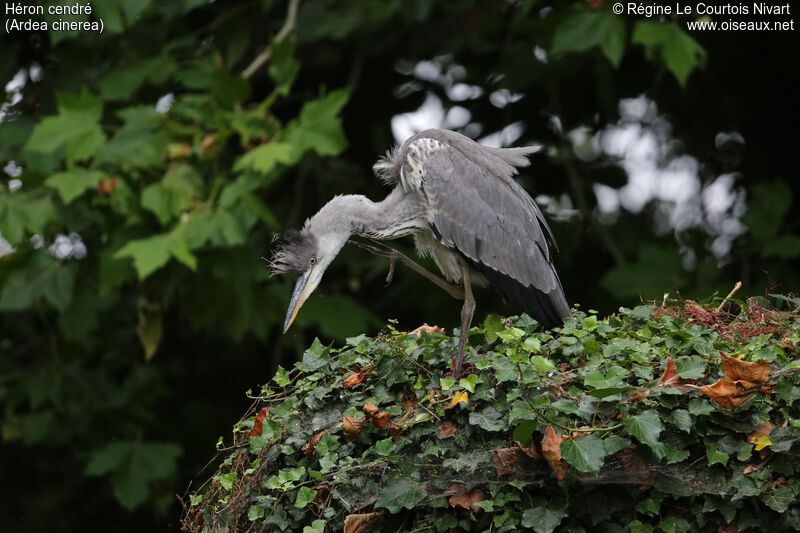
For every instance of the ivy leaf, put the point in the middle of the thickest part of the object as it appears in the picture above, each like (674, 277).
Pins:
(544, 519)
(646, 427)
(305, 496)
(489, 419)
(399, 493)
(317, 526)
(584, 453)
(779, 500)
(680, 51)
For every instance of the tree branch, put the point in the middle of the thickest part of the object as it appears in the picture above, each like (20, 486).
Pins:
(288, 26)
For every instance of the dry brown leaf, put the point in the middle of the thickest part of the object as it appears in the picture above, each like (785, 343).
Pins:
(357, 378)
(447, 429)
(763, 429)
(531, 450)
(727, 393)
(395, 431)
(370, 409)
(637, 396)
(403, 419)
(208, 140)
(733, 527)
(551, 450)
(670, 376)
(358, 523)
(635, 467)
(352, 427)
(466, 500)
(749, 469)
(310, 447)
(323, 491)
(410, 403)
(381, 420)
(427, 329)
(737, 370)
(107, 186)
(505, 459)
(258, 423)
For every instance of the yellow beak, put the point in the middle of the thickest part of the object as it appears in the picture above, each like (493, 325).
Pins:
(298, 297)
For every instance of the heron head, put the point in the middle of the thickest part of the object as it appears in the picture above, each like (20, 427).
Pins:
(306, 255)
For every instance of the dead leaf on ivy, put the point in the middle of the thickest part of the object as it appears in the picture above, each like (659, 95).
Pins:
(466, 500)
(637, 396)
(733, 527)
(370, 408)
(357, 378)
(738, 370)
(670, 377)
(427, 329)
(635, 467)
(208, 140)
(258, 423)
(351, 426)
(507, 461)
(323, 491)
(727, 393)
(551, 450)
(531, 450)
(447, 429)
(106, 186)
(459, 398)
(358, 523)
(381, 420)
(395, 431)
(310, 447)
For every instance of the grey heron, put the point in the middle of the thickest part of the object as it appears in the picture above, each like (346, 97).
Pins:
(460, 202)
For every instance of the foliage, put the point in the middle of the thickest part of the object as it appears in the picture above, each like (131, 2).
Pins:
(375, 431)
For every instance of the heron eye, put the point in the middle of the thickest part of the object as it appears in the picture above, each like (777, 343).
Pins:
(313, 261)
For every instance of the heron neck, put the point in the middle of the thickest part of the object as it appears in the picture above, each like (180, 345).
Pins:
(393, 217)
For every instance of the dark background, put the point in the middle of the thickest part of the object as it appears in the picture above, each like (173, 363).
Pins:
(95, 433)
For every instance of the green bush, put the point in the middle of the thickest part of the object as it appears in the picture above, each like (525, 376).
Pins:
(603, 425)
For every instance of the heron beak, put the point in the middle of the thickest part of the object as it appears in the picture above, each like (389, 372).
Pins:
(298, 297)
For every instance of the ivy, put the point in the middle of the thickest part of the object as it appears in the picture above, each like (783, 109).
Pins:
(521, 444)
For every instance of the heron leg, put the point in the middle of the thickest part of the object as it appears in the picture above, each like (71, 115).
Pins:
(466, 318)
(394, 256)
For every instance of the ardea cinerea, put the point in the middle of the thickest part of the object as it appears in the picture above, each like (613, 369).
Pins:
(460, 202)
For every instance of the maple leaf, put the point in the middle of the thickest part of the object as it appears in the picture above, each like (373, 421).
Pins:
(310, 447)
(738, 370)
(458, 398)
(258, 423)
(466, 500)
(728, 393)
(358, 523)
(447, 429)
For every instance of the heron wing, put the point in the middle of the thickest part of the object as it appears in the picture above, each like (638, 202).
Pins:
(477, 208)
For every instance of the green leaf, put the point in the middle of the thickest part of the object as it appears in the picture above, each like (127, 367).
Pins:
(637, 526)
(305, 496)
(588, 28)
(283, 67)
(75, 126)
(281, 377)
(255, 512)
(317, 526)
(646, 427)
(489, 419)
(43, 277)
(399, 493)
(544, 519)
(690, 367)
(133, 466)
(584, 453)
(491, 326)
(73, 183)
(780, 499)
(319, 128)
(681, 53)
(173, 194)
(226, 480)
(385, 447)
(265, 157)
(152, 253)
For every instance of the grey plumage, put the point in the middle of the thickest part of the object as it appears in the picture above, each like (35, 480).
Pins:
(460, 201)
